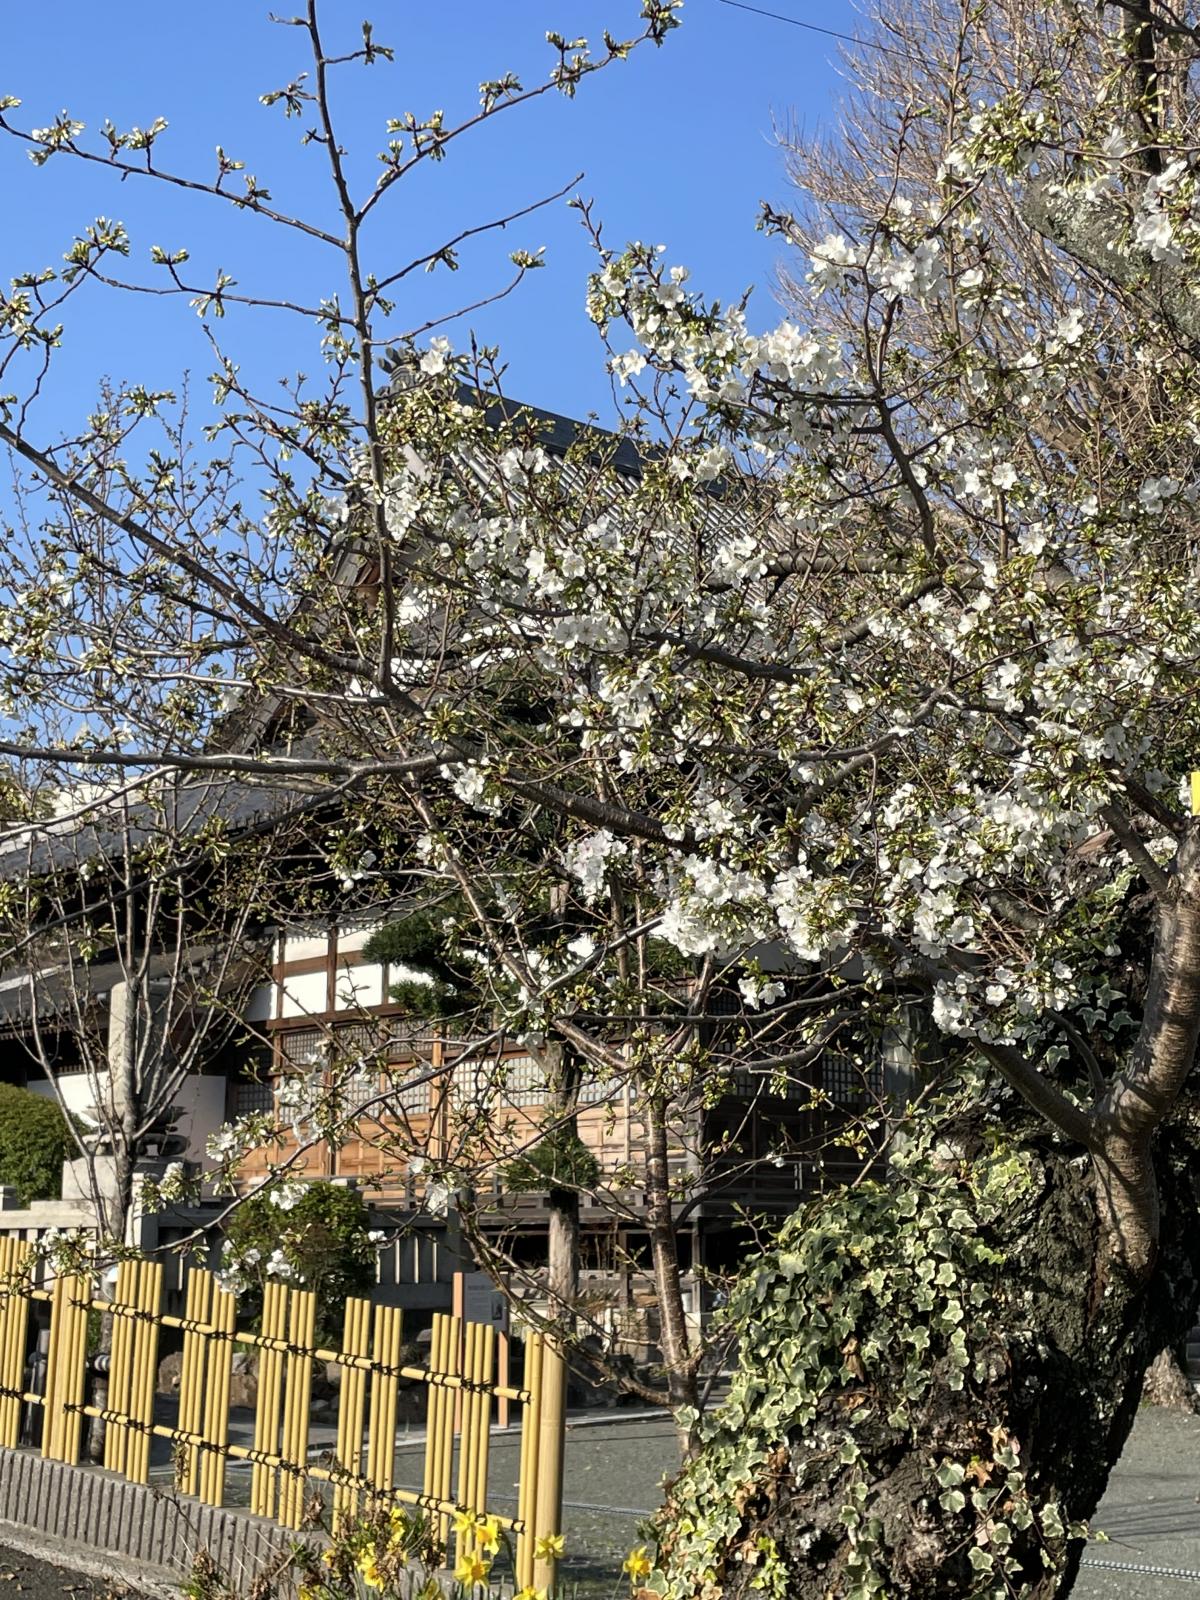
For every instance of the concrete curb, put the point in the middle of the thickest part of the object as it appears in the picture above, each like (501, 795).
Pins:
(143, 1536)
(155, 1582)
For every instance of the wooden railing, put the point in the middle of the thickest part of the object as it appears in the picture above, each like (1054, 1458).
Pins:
(460, 1386)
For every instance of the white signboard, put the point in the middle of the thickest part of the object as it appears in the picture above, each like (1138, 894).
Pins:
(483, 1302)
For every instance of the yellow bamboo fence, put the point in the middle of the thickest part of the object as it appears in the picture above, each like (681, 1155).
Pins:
(460, 1382)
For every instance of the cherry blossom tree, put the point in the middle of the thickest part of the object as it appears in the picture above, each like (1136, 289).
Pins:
(854, 680)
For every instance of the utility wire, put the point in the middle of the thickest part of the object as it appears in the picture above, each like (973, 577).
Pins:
(812, 27)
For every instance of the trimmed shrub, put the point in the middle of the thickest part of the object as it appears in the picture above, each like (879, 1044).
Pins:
(35, 1140)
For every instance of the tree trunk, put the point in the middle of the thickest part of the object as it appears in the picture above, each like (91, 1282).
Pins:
(832, 1465)
(562, 1225)
(676, 1347)
(563, 1255)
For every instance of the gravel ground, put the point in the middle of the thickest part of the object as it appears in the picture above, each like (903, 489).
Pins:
(39, 1580)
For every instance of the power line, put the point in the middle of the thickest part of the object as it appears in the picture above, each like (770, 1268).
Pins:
(812, 27)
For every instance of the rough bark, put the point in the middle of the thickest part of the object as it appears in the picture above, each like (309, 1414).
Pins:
(562, 1225)
(562, 1254)
(1060, 1350)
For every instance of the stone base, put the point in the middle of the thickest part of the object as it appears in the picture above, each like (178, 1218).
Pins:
(146, 1537)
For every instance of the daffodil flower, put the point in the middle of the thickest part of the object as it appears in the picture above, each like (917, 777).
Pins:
(637, 1563)
(371, 1575)
(549, 1547)
(465, 1523)
(368, 1567)
(472, 1570)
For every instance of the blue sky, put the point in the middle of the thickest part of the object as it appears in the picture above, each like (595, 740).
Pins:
(677, 147)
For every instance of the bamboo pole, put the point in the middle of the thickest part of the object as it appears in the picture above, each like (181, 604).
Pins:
(191, 1373)
(531, 1411)
(483, 1416)
(433, 1399)
(132, 1398)
(216, 1409)
(8, 1435)
(452, 1348)
(270, 1383)
(116, 1433)
(458, 1311)
(395, 1343)
(259, 1341)
(551, 1435)
(287, 1446)
(16, 1322)
(131, 1390)
(476, 1428)
(302, 1314)
(464, 1545)
(356, 1341)
(385, 1386)
(77, 1299)
(51, 1412)
(141, 1400)
(276, 1394)
(300, 1370)
(7, 1308)
(503, 1354)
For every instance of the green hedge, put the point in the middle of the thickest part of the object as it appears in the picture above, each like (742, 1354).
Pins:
(34, 1142)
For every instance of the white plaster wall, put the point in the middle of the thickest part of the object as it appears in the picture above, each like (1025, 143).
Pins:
(353, 938)
(304, 994)
(359, 986)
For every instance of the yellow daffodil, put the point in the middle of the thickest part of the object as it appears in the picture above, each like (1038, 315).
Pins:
(329, 1555)
(530, 1593)
(368, 1566)
(549, 1547)
(471, 1570)
(487, 1532)
(637, 1563)
(306, 1592)
(465, 1523)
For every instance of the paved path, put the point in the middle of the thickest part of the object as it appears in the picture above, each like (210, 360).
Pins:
(1151, 1512)
(614, 1466)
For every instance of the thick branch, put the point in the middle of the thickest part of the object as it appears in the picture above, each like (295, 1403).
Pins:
(1045, 1097)
(1165, 1052)
(1086, 231)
